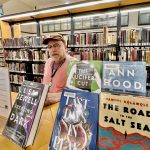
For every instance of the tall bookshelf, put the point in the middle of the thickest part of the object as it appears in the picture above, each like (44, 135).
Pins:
(4, 33)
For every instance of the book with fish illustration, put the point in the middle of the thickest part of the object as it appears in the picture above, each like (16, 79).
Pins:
(76, 122)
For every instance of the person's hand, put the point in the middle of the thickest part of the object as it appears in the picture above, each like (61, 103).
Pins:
(52, 98)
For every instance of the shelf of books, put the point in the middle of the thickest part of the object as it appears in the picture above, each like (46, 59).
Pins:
(2, 58)
(25, 58)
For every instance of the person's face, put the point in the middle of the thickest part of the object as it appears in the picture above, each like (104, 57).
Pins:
(57, 50)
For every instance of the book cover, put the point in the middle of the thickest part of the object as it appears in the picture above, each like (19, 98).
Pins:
(85, 75)
(127, 77)
(123, 122)
(25, 115)
(76, 122)
(5, 96)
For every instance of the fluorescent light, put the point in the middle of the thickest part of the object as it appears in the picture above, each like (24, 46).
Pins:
(28, 23)
(19, 15)
(135, 9)
(95, 15)
(57, 20)
(59, 9)
(66, 2)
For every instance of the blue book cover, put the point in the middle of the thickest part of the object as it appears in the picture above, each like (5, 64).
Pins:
(76, 122)
(124, 77)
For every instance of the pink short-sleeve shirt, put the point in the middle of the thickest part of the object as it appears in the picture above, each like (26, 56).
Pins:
(60, 78)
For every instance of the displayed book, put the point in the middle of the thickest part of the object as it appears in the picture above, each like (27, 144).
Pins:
(85, 75)
(76, 122)
(23, 121)
(126, 77)
(123, 122)
(5, 97)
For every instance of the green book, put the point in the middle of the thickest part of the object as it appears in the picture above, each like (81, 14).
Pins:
(85, 75)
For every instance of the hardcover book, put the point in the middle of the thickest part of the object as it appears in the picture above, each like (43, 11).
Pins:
(76, 122)
(123, 122)
(85, 75)
(127, 77)
(25, 115)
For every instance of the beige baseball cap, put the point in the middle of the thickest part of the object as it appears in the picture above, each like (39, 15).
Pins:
(58, 37)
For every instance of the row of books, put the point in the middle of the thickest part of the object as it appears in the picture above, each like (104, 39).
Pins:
(31, 41)
(132, 36)
(21, 67)
(94, 53)
(91, 38)
(125, 54)
(16, 67)
(25, 55)
(19, 79)
(135, 54)
(38, 68)
(135, 36)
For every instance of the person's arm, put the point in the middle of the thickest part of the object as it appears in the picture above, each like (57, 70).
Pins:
(52, 98)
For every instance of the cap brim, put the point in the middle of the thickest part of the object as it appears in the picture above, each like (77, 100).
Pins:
(45, 42)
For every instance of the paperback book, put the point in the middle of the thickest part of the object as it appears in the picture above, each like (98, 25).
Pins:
(123, 122)
(126, 77)
(25, 115)
(85, 75)
(76, 122)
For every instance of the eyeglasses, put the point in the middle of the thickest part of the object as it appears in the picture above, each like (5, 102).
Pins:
(56, 45)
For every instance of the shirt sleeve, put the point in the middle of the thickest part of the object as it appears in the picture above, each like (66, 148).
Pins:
(47, 72)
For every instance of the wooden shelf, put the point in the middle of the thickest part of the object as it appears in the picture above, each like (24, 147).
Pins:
(91, 46)
(24, 73)
(19, 84)
(24, 47)
(136, 46)
(25, 61)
